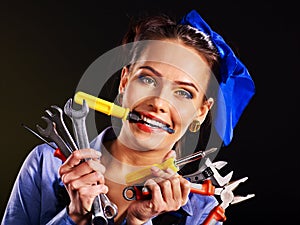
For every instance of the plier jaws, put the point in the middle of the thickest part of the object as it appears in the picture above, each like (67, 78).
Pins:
(227, 198)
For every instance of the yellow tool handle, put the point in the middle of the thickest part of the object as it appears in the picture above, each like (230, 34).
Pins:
(142, 174)
(101, 105)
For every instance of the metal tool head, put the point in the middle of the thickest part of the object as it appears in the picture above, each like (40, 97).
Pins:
(57, 115)
(48, 130)
(110, 209)
(227, 195)
(233, 185)
(217, 179)
(72, 113)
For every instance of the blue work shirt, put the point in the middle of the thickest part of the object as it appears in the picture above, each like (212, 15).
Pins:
(36, 197)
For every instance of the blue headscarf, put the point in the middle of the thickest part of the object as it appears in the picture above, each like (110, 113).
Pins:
(236, 85)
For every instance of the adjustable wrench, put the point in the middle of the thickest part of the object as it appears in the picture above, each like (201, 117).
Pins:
(210, 171)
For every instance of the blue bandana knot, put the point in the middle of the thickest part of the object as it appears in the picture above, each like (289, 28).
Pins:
(236, 85)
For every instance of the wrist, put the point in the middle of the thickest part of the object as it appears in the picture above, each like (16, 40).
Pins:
(79, 218)
(133, 220)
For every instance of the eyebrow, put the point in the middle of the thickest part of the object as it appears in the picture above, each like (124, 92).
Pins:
(159, 75)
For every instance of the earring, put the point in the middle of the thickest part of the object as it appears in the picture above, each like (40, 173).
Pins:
(195, 126)
(119, 99)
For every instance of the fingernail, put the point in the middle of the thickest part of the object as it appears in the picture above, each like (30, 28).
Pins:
(150, 205)
(155, 169)
(173, 154)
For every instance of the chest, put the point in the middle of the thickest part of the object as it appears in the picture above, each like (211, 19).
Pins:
(115, 195)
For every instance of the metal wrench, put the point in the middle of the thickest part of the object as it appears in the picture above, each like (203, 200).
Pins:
(78, 118)
(110, 209)
(51, 132)
(57, 118)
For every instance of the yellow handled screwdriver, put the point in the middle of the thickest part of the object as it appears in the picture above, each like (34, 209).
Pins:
(141, 175)
(112, 109)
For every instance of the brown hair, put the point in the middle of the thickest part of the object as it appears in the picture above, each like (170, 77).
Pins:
(161, 27)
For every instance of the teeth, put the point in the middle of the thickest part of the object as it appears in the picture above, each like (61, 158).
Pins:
(152, 122)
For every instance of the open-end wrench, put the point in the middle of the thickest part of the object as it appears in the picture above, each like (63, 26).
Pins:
(57, 118)
(51, 133)
(78, 118)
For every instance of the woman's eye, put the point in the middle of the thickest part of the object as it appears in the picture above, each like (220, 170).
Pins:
(184, 94)
(148, 80)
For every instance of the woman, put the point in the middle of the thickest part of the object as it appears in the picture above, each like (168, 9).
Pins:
(170, 81)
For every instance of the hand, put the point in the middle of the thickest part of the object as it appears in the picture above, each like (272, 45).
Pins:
(84, 180)
(169, 192)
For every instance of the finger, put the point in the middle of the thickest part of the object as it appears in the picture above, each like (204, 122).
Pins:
(88, 153)
(157, 172)
(96, 165)
(87, 180)
(171, 172)
(82, 170)
(166, 190)
(92, 191)
(157, 199)
(77, 157)
(161, 175)
(176, 188)
(88, 194)
(185, 189)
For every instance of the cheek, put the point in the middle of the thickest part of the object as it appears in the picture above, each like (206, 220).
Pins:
(134, 94)
(185, 116)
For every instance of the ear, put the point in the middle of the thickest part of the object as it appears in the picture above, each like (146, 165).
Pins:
(204, 109)
(124, 79)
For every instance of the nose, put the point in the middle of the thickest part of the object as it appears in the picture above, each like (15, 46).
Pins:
(158, 104)
(160, 100)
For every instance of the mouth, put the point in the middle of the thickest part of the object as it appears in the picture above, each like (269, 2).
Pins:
(152, 122)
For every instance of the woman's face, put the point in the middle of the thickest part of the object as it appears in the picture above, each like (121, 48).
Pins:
(162, 93)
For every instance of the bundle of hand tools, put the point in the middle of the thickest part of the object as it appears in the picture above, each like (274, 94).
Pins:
(57, 132)
(206, 181)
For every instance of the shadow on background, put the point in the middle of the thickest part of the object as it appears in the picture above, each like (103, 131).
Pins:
(46, 47)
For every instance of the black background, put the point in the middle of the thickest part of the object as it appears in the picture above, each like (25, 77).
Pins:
(46, 47)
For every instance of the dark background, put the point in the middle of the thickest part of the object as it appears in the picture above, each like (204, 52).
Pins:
(46, 47)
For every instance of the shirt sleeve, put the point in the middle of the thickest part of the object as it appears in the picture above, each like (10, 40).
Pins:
(33, 199)
(199, 207)
(62, 218)
(149, 222)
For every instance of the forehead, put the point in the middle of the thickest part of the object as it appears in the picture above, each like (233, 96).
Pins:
(176, 61)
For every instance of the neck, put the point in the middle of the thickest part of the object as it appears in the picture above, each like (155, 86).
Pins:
(135, 157)
(120, 160)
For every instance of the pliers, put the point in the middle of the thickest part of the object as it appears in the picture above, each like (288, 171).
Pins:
(140, 192)
(227, 198)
